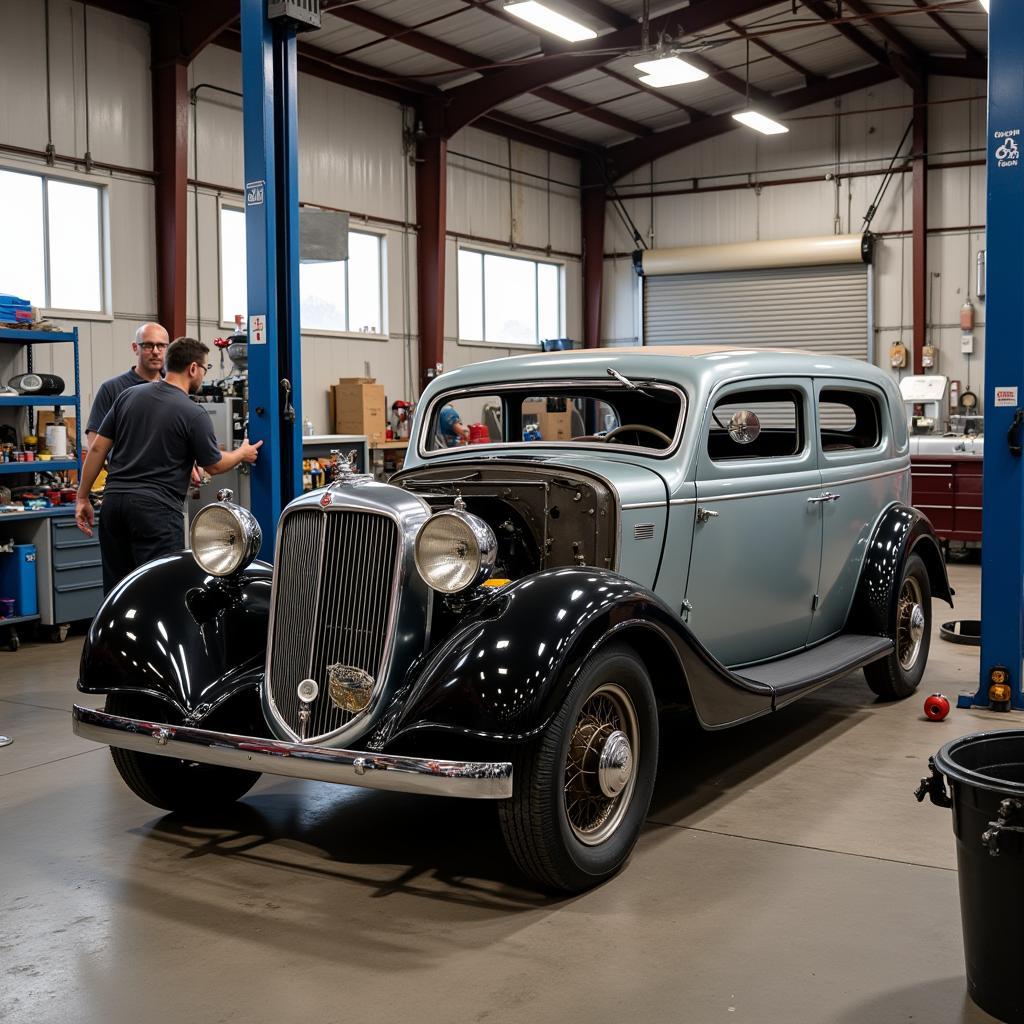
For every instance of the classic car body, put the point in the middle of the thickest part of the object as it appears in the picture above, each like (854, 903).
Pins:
(720, 529)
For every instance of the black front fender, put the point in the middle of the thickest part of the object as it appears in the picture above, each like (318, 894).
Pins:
(900, 532)
(506, 670)
(171, 631)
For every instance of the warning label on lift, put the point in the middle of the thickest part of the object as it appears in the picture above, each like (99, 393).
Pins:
(254, 193)
(1005, 398)
(1007, 151)
(257, 330)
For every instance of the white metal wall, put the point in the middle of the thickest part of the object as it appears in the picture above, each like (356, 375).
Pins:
(867, 140)
(351, 156)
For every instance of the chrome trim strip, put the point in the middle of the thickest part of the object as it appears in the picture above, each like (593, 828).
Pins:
(807, 487)
(659, 504)
(478, 780)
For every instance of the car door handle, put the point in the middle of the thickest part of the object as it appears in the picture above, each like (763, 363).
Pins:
(827, 496)
(704, 514)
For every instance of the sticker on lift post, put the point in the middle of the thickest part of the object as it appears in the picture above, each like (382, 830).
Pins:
(254, 193)
(1007, 150)
(1006, 398)
(257, 330)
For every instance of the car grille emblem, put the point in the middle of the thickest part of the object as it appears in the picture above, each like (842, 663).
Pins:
(326, 499)
(350, 688)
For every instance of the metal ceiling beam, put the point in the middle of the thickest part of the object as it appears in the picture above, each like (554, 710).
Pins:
(417, 40)
(470, 101)
(809, 76)
(602, 12)
(499, 123)
(628, 156)
(959, 67)
(692, 112)
(968, 48)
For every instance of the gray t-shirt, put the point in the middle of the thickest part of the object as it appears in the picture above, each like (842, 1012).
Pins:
(107, 393)
(158, 433)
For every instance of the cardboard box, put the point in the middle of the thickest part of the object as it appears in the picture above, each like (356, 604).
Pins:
(359, 407)
(554, 426)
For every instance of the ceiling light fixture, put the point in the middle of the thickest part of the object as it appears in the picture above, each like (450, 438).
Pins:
(760, 123)
(545, 18)
(669, 71)
(984, 3)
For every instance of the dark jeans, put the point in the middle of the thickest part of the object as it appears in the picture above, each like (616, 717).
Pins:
(135, 530)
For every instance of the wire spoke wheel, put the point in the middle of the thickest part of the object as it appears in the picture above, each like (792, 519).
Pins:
(910, 623)
(599, 778)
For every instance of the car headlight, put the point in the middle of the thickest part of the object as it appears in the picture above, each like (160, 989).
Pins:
(455, 551)
(224, 538)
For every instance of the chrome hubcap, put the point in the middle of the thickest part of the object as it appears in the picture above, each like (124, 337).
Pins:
(910, 623)
(599, 775)
(615, 766)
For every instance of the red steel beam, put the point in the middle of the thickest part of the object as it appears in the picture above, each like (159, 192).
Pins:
(170, 152)
(399, 33)
(628, 156)
(470, 101)
(431, 195)
(968, 48)
(592, 218)
(919, 224)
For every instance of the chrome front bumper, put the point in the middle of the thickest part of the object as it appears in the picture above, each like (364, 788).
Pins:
(479, 780)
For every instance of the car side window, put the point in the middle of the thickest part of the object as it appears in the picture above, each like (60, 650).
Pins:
(849, 420)
(761, 423)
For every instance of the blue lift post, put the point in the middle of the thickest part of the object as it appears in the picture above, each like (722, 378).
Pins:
(1002, 579)
(270, 118)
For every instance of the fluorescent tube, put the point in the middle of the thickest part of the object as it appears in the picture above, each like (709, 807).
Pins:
(760, 123)
(550, 21)
(669, 71)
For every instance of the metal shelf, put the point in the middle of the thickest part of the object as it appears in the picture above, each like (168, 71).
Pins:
(35, 337)
(14, 401)
(38, 466)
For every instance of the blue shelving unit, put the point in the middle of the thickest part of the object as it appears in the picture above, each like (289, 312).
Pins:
(29, 339)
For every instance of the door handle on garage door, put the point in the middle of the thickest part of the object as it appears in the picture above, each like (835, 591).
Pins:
(704, 514)
(827, 496)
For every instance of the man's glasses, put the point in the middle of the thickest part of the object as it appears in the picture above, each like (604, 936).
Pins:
(152, 346)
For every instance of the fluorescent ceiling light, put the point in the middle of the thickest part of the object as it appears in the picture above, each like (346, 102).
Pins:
(551, 21)
(984, 3)
(669, 71)
(760, 123)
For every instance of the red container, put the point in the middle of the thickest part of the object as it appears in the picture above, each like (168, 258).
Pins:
(478, 434)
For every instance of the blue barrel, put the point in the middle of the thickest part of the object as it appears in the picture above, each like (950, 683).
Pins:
(18, 578)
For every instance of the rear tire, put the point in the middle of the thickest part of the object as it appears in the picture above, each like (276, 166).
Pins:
(167, 782)
(583, 787)
(898, 675)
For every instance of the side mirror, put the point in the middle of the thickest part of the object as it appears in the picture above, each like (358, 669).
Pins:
(744, 427)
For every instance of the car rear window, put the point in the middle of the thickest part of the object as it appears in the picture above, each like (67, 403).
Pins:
(849, 420)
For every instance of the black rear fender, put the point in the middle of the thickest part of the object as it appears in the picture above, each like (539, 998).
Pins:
(181, 636)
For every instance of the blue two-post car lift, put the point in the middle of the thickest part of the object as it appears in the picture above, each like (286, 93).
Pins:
(1002, 579)
(270, 118)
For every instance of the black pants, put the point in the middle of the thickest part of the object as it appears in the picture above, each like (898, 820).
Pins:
(135, 530)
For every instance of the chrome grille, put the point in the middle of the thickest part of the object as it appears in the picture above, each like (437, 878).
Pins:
(335, 572)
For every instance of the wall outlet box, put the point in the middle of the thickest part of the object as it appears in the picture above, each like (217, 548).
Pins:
(967, 344)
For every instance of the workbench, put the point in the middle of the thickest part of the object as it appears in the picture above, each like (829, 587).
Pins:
(69, 573)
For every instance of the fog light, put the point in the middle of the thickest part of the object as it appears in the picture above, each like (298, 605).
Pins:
(999, 696)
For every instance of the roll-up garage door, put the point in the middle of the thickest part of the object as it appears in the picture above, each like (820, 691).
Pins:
(821, 309)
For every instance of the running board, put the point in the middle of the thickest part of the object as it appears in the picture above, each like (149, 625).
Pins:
(798, 674)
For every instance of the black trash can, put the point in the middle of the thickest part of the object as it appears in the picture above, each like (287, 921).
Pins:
(985, 772)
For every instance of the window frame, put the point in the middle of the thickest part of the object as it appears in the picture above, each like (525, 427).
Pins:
(316, 332)
(881, 407)
(104, 314)
(483, 252)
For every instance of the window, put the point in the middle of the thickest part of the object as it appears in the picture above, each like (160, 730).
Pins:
(343, 295)
(54, 255)
(508, 300)
(759, 424)
(849, 420)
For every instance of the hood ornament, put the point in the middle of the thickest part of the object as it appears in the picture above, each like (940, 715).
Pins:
(343, 470)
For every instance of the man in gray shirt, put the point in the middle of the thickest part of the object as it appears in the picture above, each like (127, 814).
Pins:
(149, 346)
(153, 434)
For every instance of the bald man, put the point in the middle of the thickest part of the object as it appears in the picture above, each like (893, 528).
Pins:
(150, 347)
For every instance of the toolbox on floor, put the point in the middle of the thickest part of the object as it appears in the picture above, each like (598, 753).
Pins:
(18, 578)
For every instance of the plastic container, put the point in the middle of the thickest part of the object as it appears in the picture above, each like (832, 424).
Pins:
(985, 772)
(18, 577)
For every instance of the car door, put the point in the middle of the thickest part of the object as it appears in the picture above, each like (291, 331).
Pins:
(757, 540)
(862, 471)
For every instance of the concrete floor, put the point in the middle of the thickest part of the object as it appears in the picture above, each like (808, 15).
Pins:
(786, 874)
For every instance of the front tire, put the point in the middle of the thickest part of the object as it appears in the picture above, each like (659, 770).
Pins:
(583, 787)
(167, 782)
(898, 675)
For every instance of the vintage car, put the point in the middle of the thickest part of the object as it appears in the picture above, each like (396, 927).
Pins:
(631, 529)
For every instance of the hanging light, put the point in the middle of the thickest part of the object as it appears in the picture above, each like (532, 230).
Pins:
(760, 123)
(545, 18)
(669, 71)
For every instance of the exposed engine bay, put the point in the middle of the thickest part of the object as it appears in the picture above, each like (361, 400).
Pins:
(541, 518)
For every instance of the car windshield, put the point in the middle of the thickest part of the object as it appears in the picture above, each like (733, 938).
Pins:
(648, 417)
